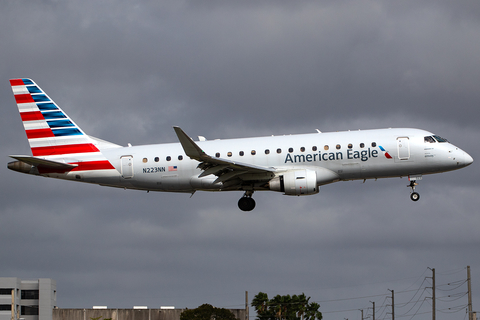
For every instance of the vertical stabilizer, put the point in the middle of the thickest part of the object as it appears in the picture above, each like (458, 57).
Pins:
(51, 133)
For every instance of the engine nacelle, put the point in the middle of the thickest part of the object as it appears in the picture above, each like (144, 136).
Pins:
(295, 183)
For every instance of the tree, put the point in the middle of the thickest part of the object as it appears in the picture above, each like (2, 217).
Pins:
(261, 304)
(285, 307)
(207, 312)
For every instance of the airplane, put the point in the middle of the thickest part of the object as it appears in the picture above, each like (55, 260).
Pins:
(294, 165)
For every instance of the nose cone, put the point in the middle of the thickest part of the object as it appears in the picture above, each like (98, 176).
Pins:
(468, 160)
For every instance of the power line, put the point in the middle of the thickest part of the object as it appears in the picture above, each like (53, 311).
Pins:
(457, 283)
(415, 302)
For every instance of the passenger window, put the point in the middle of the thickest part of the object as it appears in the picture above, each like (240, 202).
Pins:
(290, 150)
(157, 159)
(326, 147)
(362, 145)
(254, 152)
(350, 146)
(229, 154)
(241, 153)
(302, 149)
(169, 158)
(374, 144)
(217, 154)
(314, 148)
(279, 150)
(145, 160)
(267, 151)
(180, 157)
(338, 147)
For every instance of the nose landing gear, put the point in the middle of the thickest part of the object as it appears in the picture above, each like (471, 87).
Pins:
(246, 203)
(414, 195)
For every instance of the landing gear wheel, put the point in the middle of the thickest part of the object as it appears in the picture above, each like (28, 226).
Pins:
(246, 204)
(415, 196)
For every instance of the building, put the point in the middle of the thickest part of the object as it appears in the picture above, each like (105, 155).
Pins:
(27, 299)
(37, 300)
(137, 313)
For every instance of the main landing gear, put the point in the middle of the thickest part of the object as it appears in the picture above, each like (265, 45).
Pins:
(414, 195)
(246, 203)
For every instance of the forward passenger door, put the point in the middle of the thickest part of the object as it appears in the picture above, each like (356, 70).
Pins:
(403, 147)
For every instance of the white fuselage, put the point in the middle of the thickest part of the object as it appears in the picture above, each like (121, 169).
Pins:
(347, 155)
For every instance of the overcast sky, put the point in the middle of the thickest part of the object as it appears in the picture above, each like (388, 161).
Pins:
(127, 71)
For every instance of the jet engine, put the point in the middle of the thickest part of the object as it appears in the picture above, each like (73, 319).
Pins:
(295, 182)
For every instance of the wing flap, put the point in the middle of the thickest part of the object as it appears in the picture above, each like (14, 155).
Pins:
(227, 176)
(216, 170)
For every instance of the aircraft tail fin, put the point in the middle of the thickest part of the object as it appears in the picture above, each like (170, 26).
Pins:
(52, 134)
(50, 131)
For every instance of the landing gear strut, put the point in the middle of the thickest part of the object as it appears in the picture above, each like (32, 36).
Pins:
(246, 203)
(414, 195)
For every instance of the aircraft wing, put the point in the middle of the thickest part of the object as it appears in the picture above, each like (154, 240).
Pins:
(224, 169)
(45, 164)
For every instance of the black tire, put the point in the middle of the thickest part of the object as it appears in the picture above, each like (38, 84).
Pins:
(415, 196)
(246, 204)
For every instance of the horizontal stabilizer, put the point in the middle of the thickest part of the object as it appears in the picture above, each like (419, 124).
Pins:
(43, 163)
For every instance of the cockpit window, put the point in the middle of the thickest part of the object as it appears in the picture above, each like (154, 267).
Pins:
(440, 139)
(429, 139)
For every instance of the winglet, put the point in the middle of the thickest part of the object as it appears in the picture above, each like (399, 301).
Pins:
(189, 146)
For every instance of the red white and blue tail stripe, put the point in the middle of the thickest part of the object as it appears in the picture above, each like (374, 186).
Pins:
(52, 134)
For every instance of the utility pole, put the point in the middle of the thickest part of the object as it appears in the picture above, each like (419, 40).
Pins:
(434, 309)
(393, 304)
(373, 302)
(361, 310)
(470, 313)
(433, 294)
(246, 306)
